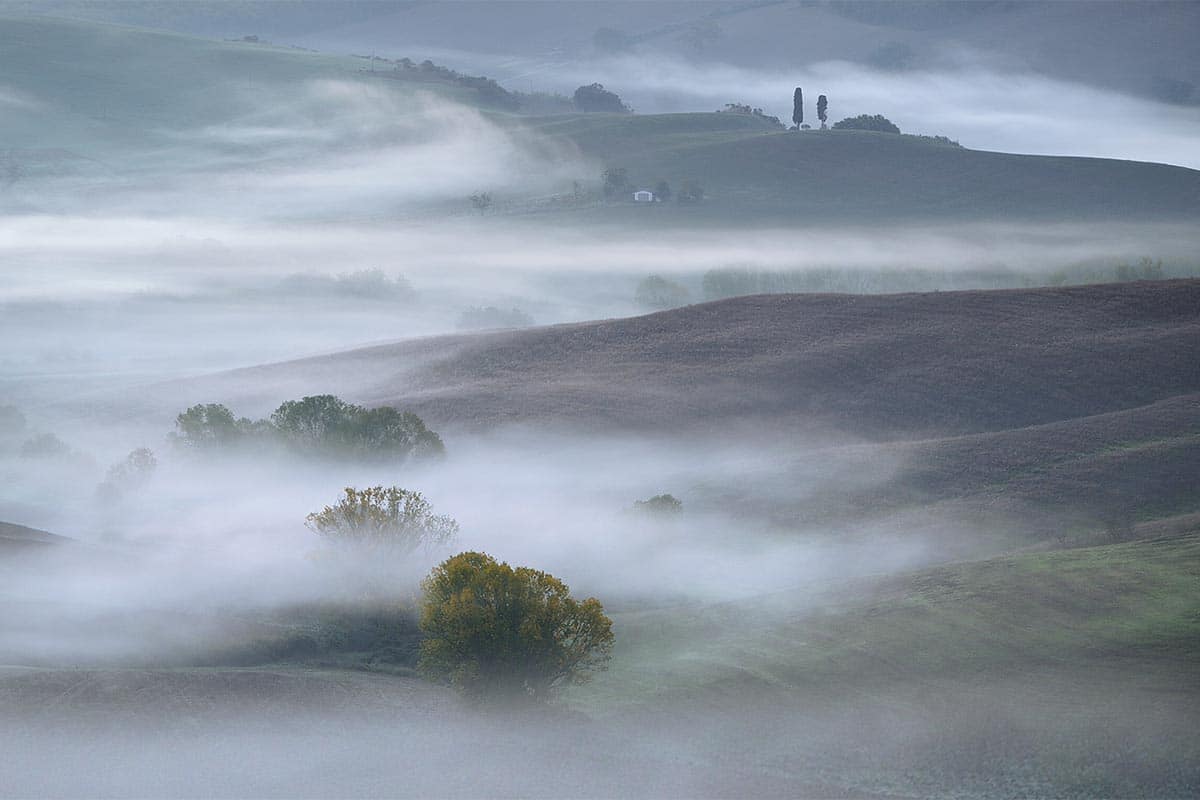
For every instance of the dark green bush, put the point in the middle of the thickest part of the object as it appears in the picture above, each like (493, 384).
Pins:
(867, 122)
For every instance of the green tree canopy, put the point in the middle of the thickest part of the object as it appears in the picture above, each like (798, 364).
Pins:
(595, 97)
(497, 632)
(318, 425)
(207, 425)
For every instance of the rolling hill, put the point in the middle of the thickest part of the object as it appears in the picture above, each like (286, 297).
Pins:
(113, 104)
(752, 170)
(1079, 401)
(118, 94)
(1142, 48)
(881, 366)
(1056, 662)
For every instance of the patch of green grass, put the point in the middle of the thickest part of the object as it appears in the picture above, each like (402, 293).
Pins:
(101, 90)
(1138, 600)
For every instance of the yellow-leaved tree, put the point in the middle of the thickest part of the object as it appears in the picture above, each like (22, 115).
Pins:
(495, 632)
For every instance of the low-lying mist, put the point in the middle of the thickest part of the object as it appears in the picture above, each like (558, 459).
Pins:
(178, 643)
(133, 299)
(223, 535)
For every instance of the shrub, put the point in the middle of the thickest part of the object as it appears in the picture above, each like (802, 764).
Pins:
(866, 122)
(394, 519)
(12, 422)
(746, 109)
(481, 201)
(661, 504)
(130, 474)
(595, 97)
(690, 194)
(946, 140)
(493, 631)
(616, 181)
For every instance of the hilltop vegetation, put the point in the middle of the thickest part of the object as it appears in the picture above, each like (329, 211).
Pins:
(71, 87)
(753, 172)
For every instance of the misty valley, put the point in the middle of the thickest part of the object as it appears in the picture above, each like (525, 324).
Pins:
(599, 399)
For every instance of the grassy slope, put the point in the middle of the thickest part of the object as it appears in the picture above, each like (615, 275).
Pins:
(101, 89)
(108, 93)
(1104, 44)
(753, 170)
(1123, 604)
(1060, 674)
(1138, 463)
(1141, 459)
(105, 85)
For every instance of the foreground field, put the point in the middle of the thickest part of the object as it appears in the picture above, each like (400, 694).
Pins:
(1067, 673)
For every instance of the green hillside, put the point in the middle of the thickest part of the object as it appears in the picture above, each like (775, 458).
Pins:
(750, 168)
(1063, 674)
(1135, 600)
(106, 91)
(1139, 48)
(79, 94)
(92, 87)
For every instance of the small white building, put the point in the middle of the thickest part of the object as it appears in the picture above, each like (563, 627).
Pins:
(643, 196)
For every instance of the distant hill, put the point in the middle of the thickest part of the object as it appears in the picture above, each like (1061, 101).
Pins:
(750, 169)
(881, 366)
(107, 100)
(100, 101)
(1137, 47)
(108, 92)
